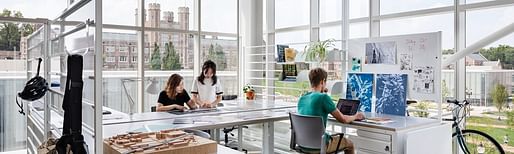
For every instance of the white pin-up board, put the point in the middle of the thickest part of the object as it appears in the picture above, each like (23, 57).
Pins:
(417, 55)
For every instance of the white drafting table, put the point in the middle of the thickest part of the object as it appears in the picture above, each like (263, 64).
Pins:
(394, 137)
(233, 113)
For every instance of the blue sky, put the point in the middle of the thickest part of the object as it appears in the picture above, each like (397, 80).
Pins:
(219, 16)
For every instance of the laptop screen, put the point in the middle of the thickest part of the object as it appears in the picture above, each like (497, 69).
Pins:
(348, 107)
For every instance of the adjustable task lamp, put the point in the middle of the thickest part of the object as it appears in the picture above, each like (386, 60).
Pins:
(151, 88)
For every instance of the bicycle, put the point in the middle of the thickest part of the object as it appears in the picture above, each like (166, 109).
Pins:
(471, 141)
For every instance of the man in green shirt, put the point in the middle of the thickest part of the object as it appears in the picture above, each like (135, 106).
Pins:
(317, 103)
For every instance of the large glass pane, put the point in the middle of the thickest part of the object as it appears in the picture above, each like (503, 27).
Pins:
(359, 30)
(120, 69)
(120, 12)
(219, 16)
(173, 54)
(330, 10)
(359, 8)
(35, 8)
(224, 52)
(424, 24)
(290, 13)
(395, 6)
(174, 14)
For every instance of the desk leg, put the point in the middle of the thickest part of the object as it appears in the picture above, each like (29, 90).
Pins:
(240, 138)
(217, 132)
(267, 138)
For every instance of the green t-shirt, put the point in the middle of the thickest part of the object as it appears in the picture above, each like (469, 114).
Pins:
(316, 104)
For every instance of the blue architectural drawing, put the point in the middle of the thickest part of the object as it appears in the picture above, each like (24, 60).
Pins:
(360, 87)
(391, 94)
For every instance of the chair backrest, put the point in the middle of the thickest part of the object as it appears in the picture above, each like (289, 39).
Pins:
(307, 130)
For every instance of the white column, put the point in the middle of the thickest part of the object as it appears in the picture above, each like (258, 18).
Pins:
(314, 20)
(251, 31)
(374, 11)
(141, 55)
(197, 46)
(98, 97)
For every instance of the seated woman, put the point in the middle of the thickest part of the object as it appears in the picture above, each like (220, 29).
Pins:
(174, 96)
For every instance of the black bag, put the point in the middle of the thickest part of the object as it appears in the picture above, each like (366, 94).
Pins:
(72, 106)
(34, 89)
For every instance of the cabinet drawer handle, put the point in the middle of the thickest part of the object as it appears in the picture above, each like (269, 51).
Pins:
(386, 148)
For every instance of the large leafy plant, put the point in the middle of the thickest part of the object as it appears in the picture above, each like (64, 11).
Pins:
(317, 51)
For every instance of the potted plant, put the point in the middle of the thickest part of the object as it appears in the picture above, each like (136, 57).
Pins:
(317, 51)
(249, 92)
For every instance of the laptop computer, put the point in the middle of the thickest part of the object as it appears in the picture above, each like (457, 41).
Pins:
(348, 107)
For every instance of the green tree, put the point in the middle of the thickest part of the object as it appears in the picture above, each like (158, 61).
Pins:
(155, 61)
(510, 119)
(222, 60)
(499, 95)
(11, 33)
(423, 105)
(448, 51)
(504, 53)
(171, 60)
(216, 54)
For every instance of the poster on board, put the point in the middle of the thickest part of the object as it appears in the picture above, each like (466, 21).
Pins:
(381, 53)
(405, 61)
(391, 94)
(423, 79)
(360, 87)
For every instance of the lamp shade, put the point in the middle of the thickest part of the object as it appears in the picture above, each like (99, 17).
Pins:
(303, 76)
(335, 87)
(152, 87)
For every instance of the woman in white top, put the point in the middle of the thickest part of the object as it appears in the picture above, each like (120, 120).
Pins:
(207, 88)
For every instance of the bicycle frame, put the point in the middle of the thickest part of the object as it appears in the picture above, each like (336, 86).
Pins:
(456, 120)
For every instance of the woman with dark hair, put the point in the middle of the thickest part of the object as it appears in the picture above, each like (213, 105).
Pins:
(207, 88)
(174, 96)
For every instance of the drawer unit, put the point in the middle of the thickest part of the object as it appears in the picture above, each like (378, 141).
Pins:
(371, 142)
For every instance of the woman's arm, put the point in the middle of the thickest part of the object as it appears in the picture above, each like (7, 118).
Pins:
(161, 108)
(218, 100)
(192, 104)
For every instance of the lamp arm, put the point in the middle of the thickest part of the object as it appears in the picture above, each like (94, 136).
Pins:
(129, 97)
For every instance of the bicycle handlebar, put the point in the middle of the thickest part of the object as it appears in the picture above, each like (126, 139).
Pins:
(456, 102)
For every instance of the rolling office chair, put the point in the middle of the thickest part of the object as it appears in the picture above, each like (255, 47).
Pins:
(227, 131)
(308, 132)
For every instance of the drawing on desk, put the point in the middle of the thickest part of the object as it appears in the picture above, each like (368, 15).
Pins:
(391, 94)
(360, 87)
(423, 80)
(378, 120)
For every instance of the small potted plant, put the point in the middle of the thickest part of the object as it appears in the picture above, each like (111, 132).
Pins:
(249, 92)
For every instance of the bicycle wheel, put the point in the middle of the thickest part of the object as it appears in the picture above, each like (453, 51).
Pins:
(478, 142)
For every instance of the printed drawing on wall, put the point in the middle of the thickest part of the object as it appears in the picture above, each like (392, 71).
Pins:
(360, 87)
(391, 94)
(423, 79)
(356, 64)
(405, 61)
(381, 53)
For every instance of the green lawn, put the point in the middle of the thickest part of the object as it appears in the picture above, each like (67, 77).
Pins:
(485, 120)
(496, 133)
(496, 113)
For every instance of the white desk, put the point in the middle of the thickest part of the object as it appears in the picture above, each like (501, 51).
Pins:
(404, 135)
(234, 113)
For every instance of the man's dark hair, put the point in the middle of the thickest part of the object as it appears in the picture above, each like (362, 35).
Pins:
(316, 76)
